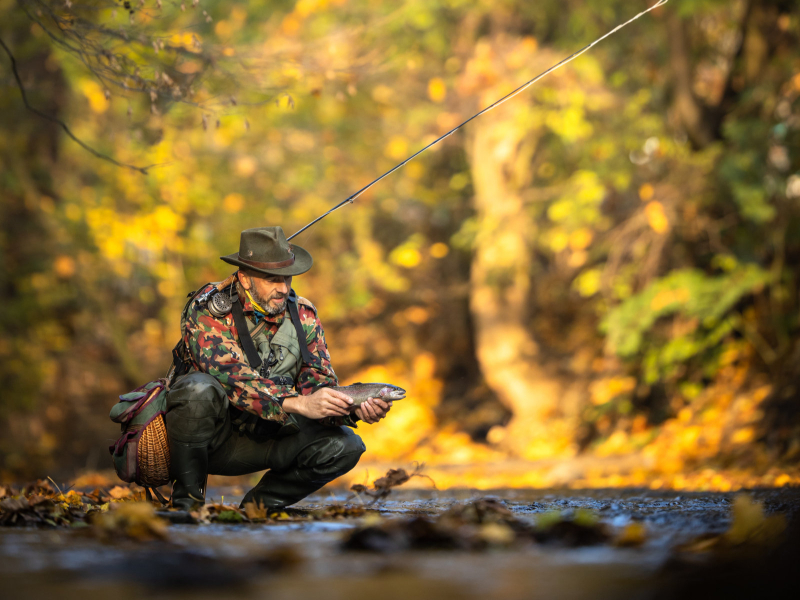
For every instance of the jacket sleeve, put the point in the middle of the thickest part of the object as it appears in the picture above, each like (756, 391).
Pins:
(214, 349)
(319, 372)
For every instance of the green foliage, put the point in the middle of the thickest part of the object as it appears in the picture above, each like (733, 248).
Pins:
(700, 303)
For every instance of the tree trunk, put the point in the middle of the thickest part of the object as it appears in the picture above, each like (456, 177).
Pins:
(501, 279)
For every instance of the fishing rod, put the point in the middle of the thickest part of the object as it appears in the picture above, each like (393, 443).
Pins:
(350, 199)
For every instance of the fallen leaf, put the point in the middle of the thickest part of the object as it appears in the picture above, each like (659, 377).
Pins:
(256, 512)
(134, 520)
(93, 480)
(229, 516)
(634, 534)
(750, 525)
(497, 534)
(118, 492)
(579, 529)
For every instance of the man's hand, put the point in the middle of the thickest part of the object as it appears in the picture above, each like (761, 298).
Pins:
(325, 402)
(373, 410)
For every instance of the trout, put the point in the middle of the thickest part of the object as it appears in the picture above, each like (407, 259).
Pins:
(360, 392)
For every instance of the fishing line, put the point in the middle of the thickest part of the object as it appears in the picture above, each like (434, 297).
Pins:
(509, 96)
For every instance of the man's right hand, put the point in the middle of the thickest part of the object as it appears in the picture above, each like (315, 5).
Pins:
(325, 402)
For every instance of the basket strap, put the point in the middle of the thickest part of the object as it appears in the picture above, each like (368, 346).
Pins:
(161, 498)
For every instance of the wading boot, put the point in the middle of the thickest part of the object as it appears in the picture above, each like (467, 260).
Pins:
(188, 469)
(279, 490)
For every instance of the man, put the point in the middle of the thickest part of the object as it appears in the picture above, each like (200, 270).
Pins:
(258, 392)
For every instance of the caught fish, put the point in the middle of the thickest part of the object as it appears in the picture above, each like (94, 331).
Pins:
(360, 392)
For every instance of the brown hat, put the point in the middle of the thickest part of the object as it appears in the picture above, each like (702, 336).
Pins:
(265, 249)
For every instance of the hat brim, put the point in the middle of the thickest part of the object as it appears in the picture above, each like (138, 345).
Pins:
(302, 263)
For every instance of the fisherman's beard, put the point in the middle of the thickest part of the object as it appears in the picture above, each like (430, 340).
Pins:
(265, 302)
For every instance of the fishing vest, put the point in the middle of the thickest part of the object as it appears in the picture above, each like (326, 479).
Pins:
(280, 355)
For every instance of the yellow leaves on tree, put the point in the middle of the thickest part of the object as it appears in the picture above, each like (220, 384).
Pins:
(606, 389)
(397, 148)
(437, 90)
(98, 100)
(656, 217)
(666, 298)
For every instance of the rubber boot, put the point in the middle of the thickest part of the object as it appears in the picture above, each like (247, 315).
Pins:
(279, 490)
(188, 469)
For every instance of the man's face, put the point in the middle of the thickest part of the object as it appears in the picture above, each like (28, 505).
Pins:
(269, 291)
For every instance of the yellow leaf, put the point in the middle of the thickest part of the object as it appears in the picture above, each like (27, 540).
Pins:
(646, 192)
(497, 534)
(406, 257)
(634, 534)
(397, 147)
(750, 524)
(94, 94)
(136, 520)
(437, 91)
(654, 211)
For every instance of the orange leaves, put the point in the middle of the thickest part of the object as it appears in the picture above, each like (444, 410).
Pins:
(646, 192)
(119, 492)
(233, 203)
(64, 266)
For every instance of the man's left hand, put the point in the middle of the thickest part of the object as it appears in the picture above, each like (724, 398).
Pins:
(373, 410)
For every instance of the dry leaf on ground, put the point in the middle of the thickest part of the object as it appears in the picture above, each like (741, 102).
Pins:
(133, 520)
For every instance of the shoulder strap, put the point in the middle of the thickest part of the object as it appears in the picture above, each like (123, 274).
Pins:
(245, 339)
(298, 327)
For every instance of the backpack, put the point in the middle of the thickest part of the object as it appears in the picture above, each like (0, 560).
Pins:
(141, 454)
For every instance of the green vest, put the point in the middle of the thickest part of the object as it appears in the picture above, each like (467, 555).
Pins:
(284, 347)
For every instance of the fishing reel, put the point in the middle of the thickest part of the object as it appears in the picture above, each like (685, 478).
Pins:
(220, 305)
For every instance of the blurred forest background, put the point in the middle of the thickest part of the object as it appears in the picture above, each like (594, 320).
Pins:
(595, 284)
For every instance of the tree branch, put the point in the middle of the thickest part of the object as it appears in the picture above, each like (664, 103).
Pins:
(60, 123)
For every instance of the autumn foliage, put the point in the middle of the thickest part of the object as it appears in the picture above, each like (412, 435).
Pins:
(594, 285)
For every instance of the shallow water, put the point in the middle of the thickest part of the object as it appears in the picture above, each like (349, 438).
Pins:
(239, 561)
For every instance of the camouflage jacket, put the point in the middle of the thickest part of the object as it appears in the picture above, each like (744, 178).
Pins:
(214, 349)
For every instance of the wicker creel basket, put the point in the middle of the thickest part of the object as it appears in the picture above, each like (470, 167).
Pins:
(153, 454)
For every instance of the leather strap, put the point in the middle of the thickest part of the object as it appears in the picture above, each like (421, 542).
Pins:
(245, 339)
(269, 265)
(294, 314)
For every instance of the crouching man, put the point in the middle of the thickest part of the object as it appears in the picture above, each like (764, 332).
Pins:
(256, 393)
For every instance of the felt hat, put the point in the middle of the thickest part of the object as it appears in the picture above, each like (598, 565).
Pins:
(265, 250)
